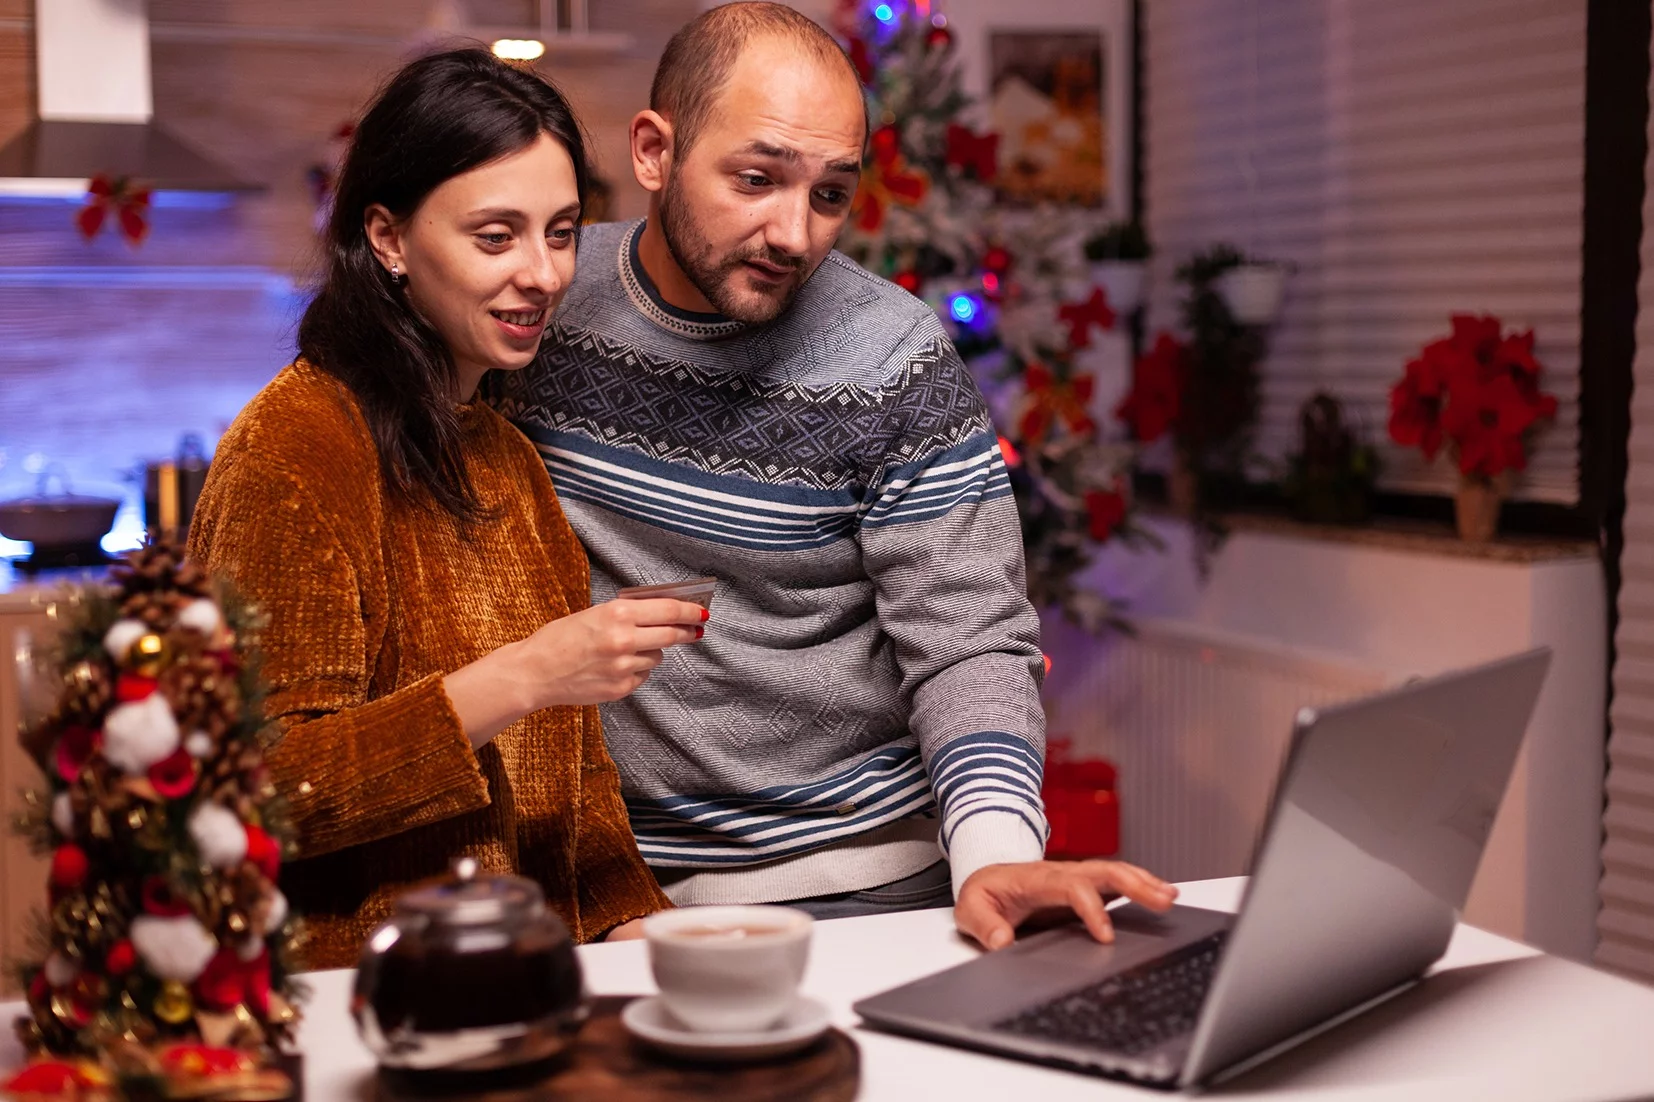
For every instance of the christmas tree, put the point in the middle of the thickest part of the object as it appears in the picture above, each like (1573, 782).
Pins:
(1011, 286)
(165, 946)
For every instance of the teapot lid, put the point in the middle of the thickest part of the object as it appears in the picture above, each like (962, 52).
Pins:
(466, 899)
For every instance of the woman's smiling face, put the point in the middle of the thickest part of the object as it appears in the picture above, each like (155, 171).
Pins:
(488, 255)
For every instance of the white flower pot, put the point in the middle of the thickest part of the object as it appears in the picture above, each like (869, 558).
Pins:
(1253, 292)
(1121, 281)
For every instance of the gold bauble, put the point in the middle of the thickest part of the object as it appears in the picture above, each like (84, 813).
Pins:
(174, 1005)
(81, 675)
(149, 655)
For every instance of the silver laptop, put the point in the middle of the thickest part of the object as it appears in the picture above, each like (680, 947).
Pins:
(1379, 819)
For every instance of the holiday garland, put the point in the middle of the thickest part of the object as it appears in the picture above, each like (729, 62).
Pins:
(166, 944)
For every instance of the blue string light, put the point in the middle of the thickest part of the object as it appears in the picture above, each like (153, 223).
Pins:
(964, 308)
(884, 13)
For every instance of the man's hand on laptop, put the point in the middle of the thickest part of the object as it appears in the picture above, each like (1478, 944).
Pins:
(996, 899)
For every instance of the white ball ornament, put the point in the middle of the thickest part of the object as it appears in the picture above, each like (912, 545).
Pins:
(139, 734)
(173, 947)
(63, 815)
(219, 834)
(60, 970)
(201, 615)
(119, 638)
(198, 744)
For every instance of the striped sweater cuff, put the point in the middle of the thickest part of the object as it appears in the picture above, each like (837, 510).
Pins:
(991, 838)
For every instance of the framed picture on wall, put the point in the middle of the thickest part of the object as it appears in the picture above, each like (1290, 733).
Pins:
(1053, 79)
(1048, 102)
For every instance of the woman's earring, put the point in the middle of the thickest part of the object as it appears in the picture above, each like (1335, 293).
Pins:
(396, 275)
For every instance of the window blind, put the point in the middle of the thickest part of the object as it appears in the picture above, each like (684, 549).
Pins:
(1625, 925)
(1411, 159)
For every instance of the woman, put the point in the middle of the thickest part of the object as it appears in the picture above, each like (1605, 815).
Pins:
(431, 659)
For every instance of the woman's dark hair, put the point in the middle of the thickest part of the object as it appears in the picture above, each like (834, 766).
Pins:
(438, 117)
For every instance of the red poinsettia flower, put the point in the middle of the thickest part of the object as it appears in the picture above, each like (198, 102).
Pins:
(1052, 401)
(1105, 510)
(1150, 409)
(174, 775)
(1081, 316)
(1415, 408)
(75, 748)
(887, 180)
(1478, 389)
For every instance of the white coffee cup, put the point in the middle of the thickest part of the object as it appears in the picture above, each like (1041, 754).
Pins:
(728, 969)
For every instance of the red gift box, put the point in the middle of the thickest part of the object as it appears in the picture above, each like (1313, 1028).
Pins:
(1080, 804)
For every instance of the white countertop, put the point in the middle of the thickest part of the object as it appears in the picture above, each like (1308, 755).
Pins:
(1498, 1021)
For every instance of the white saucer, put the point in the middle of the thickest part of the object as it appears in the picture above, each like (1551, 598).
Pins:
(648, 1020)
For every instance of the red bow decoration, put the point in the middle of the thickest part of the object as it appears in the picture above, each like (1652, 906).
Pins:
(120, 196)
(887, 180)
(1478, 389)
(1081, 316)
(1052, 400)
(1152, 406)
(973, 152)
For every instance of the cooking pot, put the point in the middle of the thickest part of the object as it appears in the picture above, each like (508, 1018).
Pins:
(59, 520)
(171, 487)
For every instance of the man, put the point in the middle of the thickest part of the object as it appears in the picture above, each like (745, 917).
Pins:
(724, 395)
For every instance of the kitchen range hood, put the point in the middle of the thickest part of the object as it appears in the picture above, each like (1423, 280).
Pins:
(93, 78)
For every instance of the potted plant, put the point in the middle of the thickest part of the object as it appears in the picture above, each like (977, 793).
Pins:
(1252, 289)
(1477, 394)
(1118, 255)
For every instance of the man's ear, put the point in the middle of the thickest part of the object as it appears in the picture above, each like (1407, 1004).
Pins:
(384, 236)
(651, 150)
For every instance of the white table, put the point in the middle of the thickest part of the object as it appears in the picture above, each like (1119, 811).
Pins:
(1500, 1021)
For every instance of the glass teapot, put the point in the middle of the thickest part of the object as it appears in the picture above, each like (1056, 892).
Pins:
(471, 973)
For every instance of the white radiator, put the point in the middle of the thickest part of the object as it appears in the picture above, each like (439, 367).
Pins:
(1197, 722)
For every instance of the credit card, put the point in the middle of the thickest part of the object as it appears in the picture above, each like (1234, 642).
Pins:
(698, 590)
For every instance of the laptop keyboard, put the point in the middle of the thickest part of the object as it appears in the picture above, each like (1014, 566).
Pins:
(1131, 1012)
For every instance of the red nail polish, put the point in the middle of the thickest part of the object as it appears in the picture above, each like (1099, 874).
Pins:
(706, 614)
(699, 632)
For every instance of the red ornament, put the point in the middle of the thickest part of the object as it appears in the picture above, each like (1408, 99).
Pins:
(886, 142)
(174, 775)
(1081, 316)
(69, 867)
(997, 260)
(1080, 804)
(120, 959)
(120, 196)
(49, 1079)
(1105, 510)
(939, 38)
(221, 985)
(908, 281)
(1009, 451)
(263, 851)
(972, 152)
(1150, 409)
(133, 687)
(74, 748)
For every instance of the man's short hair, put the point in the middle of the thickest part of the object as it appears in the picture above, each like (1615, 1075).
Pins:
(697, 62)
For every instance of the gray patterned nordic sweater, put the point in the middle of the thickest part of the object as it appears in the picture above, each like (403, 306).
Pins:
(869, 682)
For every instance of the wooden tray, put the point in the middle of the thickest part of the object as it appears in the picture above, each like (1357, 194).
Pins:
(607, 1063)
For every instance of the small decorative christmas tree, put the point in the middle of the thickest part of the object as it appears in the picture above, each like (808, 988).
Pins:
(166, 942)
(1012, 287)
